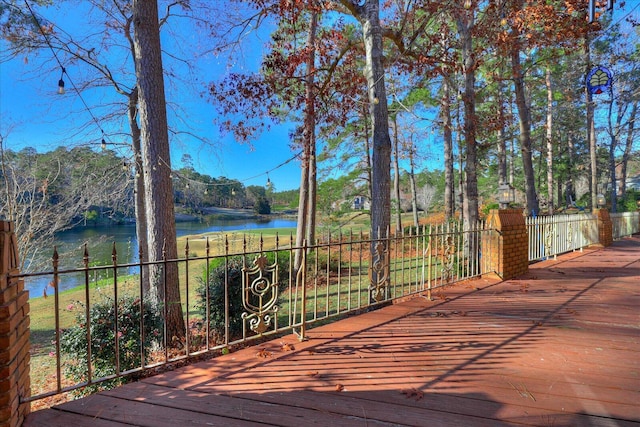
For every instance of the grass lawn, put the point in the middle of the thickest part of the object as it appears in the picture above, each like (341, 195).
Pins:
(327, 294)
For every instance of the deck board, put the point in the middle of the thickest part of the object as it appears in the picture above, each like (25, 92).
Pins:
(559, 346)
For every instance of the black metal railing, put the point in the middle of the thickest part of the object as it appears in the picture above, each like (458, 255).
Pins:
(127, 318)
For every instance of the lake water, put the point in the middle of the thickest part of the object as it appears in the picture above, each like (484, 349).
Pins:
(100, 241)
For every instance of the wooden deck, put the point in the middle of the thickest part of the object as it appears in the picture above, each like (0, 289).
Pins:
(557, 347)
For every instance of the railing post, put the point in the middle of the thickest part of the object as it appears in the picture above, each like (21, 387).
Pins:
(14, 333)
(605, 227)
(508, 246)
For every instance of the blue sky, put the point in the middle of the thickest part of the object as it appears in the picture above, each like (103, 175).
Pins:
(34, 115)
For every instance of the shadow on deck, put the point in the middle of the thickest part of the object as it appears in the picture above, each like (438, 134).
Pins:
(557, 347)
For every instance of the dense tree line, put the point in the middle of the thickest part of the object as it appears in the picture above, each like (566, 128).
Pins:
(496, 89)
(48, 192)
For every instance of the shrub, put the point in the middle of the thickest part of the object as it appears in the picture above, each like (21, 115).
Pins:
(629, 202)
(217, 276)
(323, 258)
(73, 341)
(262, 206)
(233, 274)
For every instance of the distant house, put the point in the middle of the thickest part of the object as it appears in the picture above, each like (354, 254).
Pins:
(633, 182)
(360, 203)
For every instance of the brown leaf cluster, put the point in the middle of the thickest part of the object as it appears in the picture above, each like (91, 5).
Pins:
(412, 393)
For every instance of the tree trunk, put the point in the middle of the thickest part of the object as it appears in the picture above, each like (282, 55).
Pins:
(465, 24)
(445, 112)
(306, 206)
(396, 170)
(461, 185)
(313, 191)
(310, 94)
(414, 192)
(381, 158)
(591, 133)
(303, 205)
(502, 140)
(570, 195)
(614, 131)
(367, 142)
(139, 204)
(549, 142)
(524, 121)
(156, 165)
(627, 149)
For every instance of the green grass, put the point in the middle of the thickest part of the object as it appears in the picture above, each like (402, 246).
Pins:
(43, 313)
(326, 297)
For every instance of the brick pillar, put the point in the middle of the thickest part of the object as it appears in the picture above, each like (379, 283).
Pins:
(508, 246)
(14, 333)
(605, 227)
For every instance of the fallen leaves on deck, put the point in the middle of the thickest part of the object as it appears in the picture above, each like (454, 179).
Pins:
(286, 346)
(263, 353)
(412, 393)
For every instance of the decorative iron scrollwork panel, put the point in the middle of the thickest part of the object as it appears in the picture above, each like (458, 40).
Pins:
(379, 273)
(548, 238)
(448, 258)
(260, 294)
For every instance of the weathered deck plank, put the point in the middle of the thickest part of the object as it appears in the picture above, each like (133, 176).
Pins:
(557, 347)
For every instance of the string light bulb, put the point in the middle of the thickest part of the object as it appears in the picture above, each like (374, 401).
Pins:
(103, 144)
(206, 191)
(61, 84)
(269, 184)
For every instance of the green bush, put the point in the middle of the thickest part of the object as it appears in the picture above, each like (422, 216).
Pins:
(217, 276)
(73, 341)
(323, 258)
(233, 275)
(262, 206)
(629, 202)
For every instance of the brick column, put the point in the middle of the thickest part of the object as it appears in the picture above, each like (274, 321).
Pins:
(605, 227)
(507, 247)
(14, 333)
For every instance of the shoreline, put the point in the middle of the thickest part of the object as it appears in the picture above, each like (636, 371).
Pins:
(209, 214)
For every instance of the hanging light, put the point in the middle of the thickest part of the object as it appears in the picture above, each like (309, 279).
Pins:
(269, 183)
(103, 144)
(206, 191)
(61, 83)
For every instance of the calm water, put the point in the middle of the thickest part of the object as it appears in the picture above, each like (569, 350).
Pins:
(100, 241)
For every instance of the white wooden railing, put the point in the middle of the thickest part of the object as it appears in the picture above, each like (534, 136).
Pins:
(550, 236)
(625, 224)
